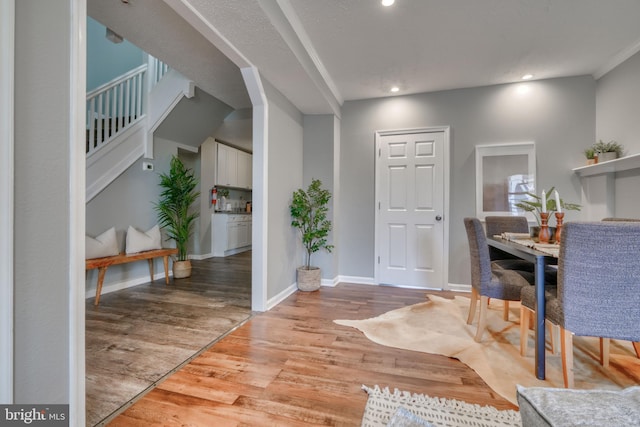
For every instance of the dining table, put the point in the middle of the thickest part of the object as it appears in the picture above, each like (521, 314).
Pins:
(540, 254)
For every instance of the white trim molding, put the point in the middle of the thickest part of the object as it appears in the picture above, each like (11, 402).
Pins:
(77, 204)
(260, 185)
(7, 47)
(358, 280)
(289, 290)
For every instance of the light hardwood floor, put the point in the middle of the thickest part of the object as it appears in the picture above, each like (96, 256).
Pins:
(292, 366)
(137, 336)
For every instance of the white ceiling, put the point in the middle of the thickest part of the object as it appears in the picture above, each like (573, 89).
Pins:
(320, 53)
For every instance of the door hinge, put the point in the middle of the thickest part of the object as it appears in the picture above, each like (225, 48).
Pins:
(379, 152)
(378, 259)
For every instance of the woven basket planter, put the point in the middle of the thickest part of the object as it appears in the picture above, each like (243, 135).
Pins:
(181, 269)
(308, 280)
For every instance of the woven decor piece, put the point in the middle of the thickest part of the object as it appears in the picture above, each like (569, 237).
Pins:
(382, 404)
(309, 280)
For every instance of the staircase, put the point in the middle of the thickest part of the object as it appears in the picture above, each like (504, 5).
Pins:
(122, 116)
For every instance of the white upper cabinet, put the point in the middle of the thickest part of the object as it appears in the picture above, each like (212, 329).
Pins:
(244, 169)
(233, 167)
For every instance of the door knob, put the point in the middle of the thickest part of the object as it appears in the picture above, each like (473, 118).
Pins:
(438, 218)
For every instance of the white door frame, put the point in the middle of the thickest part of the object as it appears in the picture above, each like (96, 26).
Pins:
(7, 46)
(445, 214)
(77, 211)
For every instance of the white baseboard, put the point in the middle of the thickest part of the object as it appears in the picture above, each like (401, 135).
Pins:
(272, 302)
(117, 286)
(201, 257)
(330, 282)
(356, 279)
(455, 287)
(458, 287)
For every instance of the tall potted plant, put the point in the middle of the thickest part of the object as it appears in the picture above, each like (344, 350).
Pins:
(309, 215)
(174, 211)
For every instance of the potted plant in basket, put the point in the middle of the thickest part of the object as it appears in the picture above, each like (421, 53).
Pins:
(174, 211)
(309, 214)
(607, 150)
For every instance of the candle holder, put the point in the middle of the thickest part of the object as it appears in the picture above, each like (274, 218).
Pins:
(559, 218)
(544, 236)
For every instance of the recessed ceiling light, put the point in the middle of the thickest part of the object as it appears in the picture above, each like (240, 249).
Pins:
(395, 89)
(388, 2)
(527, 77)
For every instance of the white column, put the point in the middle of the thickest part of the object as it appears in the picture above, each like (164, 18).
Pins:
(7, 13)
(49, 201)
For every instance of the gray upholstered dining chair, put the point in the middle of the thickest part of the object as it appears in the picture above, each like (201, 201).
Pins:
(598, 291)
(497, 225)
(488, 282)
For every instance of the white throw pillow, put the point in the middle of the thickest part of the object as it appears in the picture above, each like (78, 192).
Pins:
(101, 246)
(138, 241)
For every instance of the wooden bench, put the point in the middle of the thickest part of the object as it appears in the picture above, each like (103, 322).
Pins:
(103, 263)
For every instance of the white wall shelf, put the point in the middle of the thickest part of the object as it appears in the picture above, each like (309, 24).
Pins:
(616, 165)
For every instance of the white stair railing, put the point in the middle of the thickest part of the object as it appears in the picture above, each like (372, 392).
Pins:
(157, 69)
(120, 103)
(115, 106)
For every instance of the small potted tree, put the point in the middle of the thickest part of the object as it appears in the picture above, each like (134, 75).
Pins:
(175, 214)
(309, 215)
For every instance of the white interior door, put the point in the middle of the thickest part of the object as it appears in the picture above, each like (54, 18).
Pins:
(410, 231)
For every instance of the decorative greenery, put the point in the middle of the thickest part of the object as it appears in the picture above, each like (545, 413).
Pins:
(590, 153)
(223, 192)
(534, 205)
(608, 147)
(309, 214)
(174, 207)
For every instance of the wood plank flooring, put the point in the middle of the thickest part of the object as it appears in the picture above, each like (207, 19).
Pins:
(292, 366)
(137, 336)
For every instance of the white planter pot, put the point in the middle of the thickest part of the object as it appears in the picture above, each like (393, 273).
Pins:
(308, 280)
(605, 157)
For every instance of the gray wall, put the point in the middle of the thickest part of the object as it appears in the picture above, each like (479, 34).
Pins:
(319, 149)
(45, 237)
(284, 250)
(617, 106)
(129, 201)
(193, 119)
(558, 114)
(107, 60)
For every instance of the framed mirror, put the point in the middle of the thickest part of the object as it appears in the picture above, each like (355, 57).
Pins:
(504, 174)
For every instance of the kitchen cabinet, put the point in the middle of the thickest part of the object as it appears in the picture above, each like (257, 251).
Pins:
(227, 165)
(244, 169)
(233, 167)
(230, 233)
